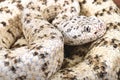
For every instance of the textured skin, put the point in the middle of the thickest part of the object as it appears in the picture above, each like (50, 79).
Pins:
(9, 17)
(42, 24)
(80, 29)
(40, 58)
(102, 62)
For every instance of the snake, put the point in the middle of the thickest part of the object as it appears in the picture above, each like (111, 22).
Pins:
(100, 59)
(45, 25)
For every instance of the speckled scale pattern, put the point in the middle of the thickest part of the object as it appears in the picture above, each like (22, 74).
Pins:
(41, 53)
(9, 24)
(102, 61)
(81, 29)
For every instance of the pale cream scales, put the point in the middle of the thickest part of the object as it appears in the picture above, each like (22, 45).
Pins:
(43, 54)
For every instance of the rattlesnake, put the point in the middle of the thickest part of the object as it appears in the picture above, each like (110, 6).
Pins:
(46, 26)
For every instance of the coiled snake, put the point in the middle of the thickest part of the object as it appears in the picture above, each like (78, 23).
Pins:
(46, 25)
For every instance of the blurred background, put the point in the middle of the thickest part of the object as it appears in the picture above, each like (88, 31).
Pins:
(117, 2)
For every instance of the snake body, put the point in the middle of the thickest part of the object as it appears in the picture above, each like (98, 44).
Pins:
(101, 59)
(46, 26)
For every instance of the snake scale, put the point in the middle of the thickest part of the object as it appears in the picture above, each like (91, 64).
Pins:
(99, 60)
(45, 26)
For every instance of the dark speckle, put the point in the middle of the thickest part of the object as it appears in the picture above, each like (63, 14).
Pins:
(108, 12)
(46, 73)
(87, 29)
(94, 1)
(118, 75)
(35, 53)
(39, 47)
(20, 6)
(65, 24)
(44, 66)
(104, 0)
(101, 74)
(73, 78)
(113, 41)
(96, 14)
(115, 45)
(75, 37)
(103, 10)
(6, 63)
(111, 24)
(3, 23)
(95, 33)
(56, 0)
(96, 68)
(21, 78)
(48, 11)
(73, 9)
(42, 26)
(66, 2)
(73, 21)
(3, 41)
(96, 57)
(103, 68)
(72, 0)
(13, 69)
(17, 60)
(68, 30)
(6, 55)
(27, 15)
(55, 8)
(1, 10)
(110, 8)
(45, 35)
(105, 42)
(27, 21)
(118, 24)
(61, 38)
(101, 14)
(46, 53)
(52, 37)
(84, 1)
(42, 55)
(107, 28)
(115, 26)
(98, 3)
(79, 35)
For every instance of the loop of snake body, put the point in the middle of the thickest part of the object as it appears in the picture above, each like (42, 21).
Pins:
(99, 60)
(46, 26)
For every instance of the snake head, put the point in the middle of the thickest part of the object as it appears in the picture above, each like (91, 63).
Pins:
(81, 29)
